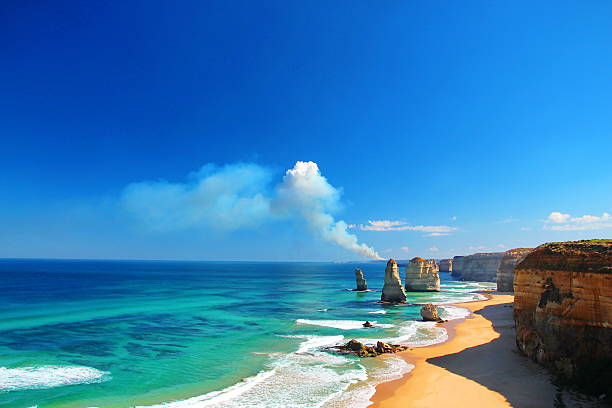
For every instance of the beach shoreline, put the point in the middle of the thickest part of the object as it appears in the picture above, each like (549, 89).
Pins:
(478, 365)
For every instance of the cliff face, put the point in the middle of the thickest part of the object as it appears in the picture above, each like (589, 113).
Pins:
(458, 262)
(422, 276)
(563, 310)
(446, 265)
(393, 291)
(360, 280)
(480, 267)
(505, 270)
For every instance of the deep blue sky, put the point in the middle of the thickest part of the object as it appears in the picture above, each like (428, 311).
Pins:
(496, 113)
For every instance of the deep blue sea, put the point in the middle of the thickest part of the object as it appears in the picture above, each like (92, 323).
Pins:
(80, 333)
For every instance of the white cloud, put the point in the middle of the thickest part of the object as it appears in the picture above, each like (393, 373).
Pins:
(558, 217)
(583, 223)
(433, 249)
(453, 218)
(239, 196)
(436, 234)
(405, 249)
(525, 229)
(501, 246)
(477, 248)
(386, 225)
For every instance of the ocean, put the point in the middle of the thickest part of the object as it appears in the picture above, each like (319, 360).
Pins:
(109, 334)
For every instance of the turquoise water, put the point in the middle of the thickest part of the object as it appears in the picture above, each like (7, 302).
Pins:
(200, 334)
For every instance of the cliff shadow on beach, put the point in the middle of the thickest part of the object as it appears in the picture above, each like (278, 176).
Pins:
(500, 367)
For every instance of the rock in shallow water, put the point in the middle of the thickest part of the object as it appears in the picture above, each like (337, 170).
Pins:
(362, 350)
(429, 313)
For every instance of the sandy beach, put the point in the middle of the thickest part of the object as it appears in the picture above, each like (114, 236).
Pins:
(479, 366)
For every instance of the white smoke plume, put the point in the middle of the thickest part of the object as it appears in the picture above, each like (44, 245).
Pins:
(239, 196)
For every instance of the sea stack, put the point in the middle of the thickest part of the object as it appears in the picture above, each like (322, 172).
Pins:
(563, 311)
(361, 282)
(393, 291)
(422, 276)
(505, 270)
(446, 265)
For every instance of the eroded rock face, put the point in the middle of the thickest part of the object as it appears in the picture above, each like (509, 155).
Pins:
(362, 350)
(429, 313)
(563, 310)
(446, 265)
(505, 270)
(422, 276)
(361, 282)
(457, 266)
(481, 267)
(393, 291)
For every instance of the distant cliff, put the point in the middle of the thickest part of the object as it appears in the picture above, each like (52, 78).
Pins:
(563, 311)
(505, 270)
(446, 265)
(481, 267)
(422, 276)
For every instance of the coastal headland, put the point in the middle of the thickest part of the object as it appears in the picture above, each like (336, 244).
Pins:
(478, 366)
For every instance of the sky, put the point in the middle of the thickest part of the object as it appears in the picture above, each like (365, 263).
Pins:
(302, 131)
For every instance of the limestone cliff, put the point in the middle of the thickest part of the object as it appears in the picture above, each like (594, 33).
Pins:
(563, 311)
(393, 291)
(505, 270)
(446, 265)
(360, 280)
(481, 267)
(422, 276)
(457, 266)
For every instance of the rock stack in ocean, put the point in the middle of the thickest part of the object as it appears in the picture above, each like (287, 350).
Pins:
(393, 291)
(361, 282)
(481, 267)
(422, 276)
(446, 265)
(429, 313)
(505, 270)
(563, 311)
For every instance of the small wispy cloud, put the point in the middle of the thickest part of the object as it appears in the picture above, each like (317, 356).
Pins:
(477, 248)
(434, 249)
(388, 225)
(525, 229)
(436, 234)
(502, 246)
(405, 249)
(565, 222)
(453, 218)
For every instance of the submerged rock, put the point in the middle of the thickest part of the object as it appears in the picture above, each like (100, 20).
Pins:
(367, 324)
(563, 311)
(422, 276)
(362, 350)
(393, 291)
(361, 282)
(429, 313)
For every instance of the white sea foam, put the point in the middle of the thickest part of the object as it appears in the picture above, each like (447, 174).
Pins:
(379, 312)
(341, 324)
(453, 312)
(306, 378)
(48, 376)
